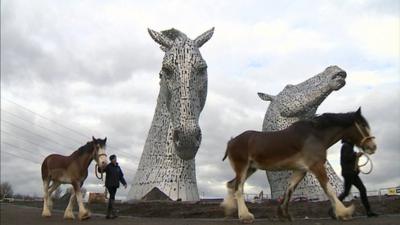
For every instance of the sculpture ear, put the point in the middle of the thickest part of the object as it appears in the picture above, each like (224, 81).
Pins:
(204, 37)
(161, 39)
(266, 97)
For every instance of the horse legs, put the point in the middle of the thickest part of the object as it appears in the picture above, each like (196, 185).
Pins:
(283, 208)
(53, 187)
(341, 212)
(69, 214)
(46, 212)
(229, 204)
(83, 212)
(244, 215)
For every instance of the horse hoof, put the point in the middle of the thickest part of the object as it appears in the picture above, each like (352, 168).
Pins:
(283, 216)
(85, 216)
(69, 217)
(46, 214)
(249, 218)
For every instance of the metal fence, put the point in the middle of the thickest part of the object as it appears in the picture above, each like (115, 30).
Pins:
(392, 191)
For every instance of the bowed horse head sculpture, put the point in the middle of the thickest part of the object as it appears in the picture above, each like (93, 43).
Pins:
(184, 84)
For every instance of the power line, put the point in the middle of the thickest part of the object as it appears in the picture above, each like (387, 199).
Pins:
(53, 131)
(18, 156)
(55, 122)
(29, 131)
(27, 141)
(23, 149)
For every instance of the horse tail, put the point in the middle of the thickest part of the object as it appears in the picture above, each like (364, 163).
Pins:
(226, 151)
(44, 169)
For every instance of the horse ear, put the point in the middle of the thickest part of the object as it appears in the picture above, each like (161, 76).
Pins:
(204, 37)
(105, 139)
(160, 39)
(358, 112)
(93, 139)
(266, 97)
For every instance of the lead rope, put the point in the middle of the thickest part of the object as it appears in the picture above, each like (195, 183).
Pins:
(358, 167)
(95, 171)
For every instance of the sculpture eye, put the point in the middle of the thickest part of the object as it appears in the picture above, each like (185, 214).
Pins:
(202, 69)
(166, 72)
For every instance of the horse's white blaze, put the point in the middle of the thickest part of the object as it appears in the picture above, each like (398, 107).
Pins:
(102, 156)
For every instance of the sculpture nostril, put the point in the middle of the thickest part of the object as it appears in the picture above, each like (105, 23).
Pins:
(175, 136)
(198, 135)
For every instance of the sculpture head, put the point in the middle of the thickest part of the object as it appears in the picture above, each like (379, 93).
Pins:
(184, 86)
(302, 100)
(333, 77)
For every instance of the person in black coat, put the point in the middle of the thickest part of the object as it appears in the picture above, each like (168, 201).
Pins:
(114, 176)
(350, 172)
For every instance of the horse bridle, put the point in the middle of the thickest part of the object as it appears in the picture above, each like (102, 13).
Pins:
(365, 137)
(97, 164)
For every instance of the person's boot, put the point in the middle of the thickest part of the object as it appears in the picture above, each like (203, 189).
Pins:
(109, 210)
(371, 214)
(113, 213)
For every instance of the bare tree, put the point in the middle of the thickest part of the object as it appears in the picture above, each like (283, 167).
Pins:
(6, 190)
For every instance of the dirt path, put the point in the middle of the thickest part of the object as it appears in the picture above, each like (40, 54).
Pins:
(17, 215)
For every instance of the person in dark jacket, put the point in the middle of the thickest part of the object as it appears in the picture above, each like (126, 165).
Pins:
(114, 176)
(350, 172)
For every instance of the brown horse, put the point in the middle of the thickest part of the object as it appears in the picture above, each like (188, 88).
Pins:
(72, 169)
(302, 148)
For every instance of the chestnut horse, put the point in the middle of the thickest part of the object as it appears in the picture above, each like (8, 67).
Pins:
(302, 148)
(72, 169)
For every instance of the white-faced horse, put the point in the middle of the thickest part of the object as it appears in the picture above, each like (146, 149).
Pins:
(72, 169)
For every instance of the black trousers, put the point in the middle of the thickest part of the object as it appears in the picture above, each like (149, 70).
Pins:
(110, 208)
(354, 179)
(112, 191)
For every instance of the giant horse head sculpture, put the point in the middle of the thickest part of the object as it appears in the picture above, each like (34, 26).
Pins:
(184, 85)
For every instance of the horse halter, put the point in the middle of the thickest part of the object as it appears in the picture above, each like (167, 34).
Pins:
(97, 164)
(365, 137)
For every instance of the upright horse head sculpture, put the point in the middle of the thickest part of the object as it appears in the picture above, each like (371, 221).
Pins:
(167, 161)
(184, 85)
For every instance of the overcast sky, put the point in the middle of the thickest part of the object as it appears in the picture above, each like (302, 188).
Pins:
(88, 68)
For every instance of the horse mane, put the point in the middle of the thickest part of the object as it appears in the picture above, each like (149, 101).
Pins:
(87, 148)
(333, 119)
(338, 119)
(174, 34)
